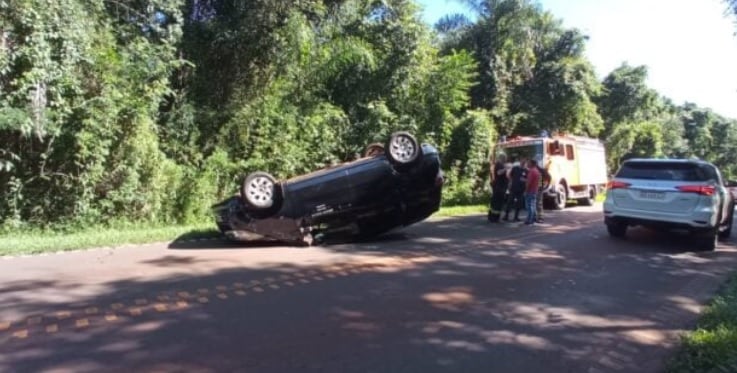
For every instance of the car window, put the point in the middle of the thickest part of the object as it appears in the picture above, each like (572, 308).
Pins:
(666, 171)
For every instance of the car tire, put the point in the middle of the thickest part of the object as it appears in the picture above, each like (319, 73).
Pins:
(617, 230)
(561, 197)
(402, 149)
(260, 193)
(723, 235)
(374, 150)
(709, 242)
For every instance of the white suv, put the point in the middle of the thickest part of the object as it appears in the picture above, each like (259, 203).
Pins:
(672, 194)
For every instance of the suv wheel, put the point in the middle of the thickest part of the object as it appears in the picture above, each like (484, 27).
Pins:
(723, 235)
(617, 230)
(709, 241)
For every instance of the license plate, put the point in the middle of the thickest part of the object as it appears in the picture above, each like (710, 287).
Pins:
(652, 195)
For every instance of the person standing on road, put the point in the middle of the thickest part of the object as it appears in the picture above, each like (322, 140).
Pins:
(516, 175)
(532, 187)
(499, 186)
(544, 183)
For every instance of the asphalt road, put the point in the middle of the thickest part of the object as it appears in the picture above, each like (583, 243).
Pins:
(451, 295)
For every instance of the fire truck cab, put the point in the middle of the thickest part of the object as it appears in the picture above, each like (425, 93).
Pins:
(577, 165)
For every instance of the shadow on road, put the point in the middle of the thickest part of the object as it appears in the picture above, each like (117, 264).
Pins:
(456, 295)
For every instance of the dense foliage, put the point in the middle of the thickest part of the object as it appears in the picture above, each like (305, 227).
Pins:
(150, 110)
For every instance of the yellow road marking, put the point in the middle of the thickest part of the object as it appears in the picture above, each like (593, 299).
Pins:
(53, 328)
(61, 315)
(21, 334)
(34, 320)
(111, 317)
(203, 299)
(222, 296)
(4, 325)
(81, 323)
(117, 306)
(160, 307)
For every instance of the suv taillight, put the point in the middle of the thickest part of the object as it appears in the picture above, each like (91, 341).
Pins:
(704, 190)
(617, 185)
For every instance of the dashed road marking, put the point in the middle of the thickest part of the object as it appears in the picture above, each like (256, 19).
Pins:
(135, 311)
(161, 307)
(53, 328)
(21, 334)
(117, 306)
(81, 323)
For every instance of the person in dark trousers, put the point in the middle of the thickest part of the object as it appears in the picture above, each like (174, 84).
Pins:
(499, 186)
(532, 186)
(544, 183)
(517, 178)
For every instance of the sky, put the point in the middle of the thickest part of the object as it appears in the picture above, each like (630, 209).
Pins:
(689, 46)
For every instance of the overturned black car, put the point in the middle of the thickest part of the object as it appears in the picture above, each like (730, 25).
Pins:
(393, 185)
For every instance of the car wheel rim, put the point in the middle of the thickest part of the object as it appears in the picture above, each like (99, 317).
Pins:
(260, 191)
(402, 149)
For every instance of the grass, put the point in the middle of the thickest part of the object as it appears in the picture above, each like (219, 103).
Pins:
(35, 242)
(461, 210)
(712, 347)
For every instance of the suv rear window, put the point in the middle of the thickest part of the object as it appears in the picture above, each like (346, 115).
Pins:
(667, 171)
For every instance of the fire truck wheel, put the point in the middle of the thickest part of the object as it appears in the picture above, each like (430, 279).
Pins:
(588, 201)
(561, 197)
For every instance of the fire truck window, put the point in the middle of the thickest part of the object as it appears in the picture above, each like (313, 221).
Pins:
(569, 152)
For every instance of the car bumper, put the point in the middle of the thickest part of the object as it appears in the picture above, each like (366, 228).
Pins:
(703, 219)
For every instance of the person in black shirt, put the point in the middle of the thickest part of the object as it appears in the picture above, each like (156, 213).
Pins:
(499, 186)
(517, 178)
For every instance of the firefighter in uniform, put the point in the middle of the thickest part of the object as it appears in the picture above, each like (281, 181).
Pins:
(544, 183)
(499, 186)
